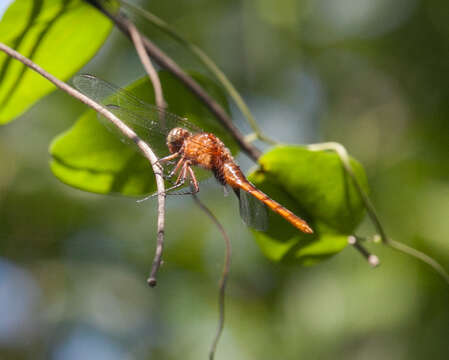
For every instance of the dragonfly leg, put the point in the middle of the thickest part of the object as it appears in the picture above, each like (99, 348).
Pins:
(175, 186)
(167, 158)
(188, 171)
(165, 192)
(176, 168)
(178, 183)
(193, 180)
(183, 173)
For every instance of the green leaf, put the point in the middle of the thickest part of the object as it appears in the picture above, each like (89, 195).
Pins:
(59, 35)
(314, 185)
(91, 158)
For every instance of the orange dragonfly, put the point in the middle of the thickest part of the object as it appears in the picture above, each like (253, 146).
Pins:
(188, 145)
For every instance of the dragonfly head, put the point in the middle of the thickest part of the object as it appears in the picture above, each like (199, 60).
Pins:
(175, 139)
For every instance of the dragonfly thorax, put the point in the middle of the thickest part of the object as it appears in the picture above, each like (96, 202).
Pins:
(176, 138)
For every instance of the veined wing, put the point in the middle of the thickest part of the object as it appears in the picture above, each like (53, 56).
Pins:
(146, 115)
(253, 212)
(148, 130)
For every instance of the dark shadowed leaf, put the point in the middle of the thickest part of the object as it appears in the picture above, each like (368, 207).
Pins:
(315, 187)
(59, 35)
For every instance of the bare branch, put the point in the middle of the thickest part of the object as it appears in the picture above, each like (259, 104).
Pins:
(136, 37)
(122, 127)
(224, 275)
(166, 62)
(158, 95)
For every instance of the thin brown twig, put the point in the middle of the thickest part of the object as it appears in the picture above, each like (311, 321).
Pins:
(166, 62)
(160, 102)
(136, 38)
(224, 275)
(372, 259)
(122, 127)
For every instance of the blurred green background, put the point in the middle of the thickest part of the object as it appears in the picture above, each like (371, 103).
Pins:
(371, 74)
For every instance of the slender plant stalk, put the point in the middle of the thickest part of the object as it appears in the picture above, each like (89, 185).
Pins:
(224, 275)
(136, 38)
(421, 256)
(122, 127)
(160, 102)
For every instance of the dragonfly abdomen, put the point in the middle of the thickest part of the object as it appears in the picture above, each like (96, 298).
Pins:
(235, 178)
(277, 208)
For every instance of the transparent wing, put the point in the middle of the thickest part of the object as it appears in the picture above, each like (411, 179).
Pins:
(147, 115)
(253, 212)
(148, 130)
(150, 122)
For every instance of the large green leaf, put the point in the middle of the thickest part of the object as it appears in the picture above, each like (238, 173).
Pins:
(91, 158)
(59, 35)
(314, 186)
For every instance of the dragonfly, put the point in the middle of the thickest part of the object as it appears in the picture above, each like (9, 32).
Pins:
(188, 147)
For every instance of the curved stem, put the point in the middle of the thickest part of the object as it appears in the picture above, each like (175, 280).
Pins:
(122, 127)
(224, 275)
(421, 256)
(160, 102)
(136, 38)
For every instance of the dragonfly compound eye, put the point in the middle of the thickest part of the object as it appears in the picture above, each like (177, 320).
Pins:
(175, 138)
